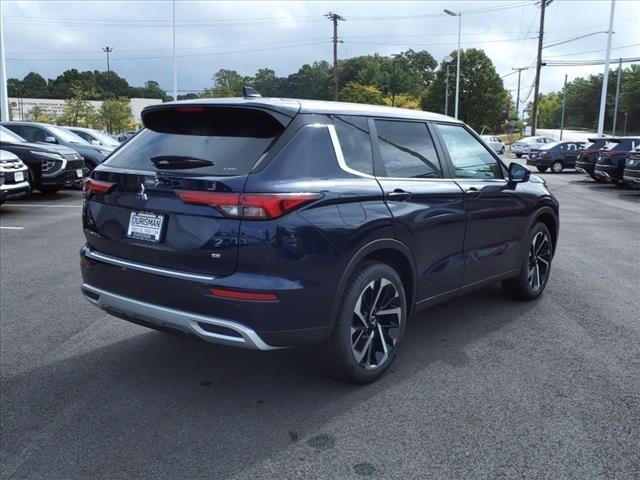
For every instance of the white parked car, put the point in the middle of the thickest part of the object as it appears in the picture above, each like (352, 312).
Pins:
(14, 177)
(494, 142)
(522, 147)
(96, 137)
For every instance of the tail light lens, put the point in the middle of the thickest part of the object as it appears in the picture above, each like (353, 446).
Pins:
(249, 206)
(91, 186)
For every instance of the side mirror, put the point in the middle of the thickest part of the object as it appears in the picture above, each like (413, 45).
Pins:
(95, 142)
(518, 173)
(50, 139)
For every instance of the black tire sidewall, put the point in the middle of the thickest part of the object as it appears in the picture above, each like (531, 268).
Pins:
(342, 333)
(531, 293)
(557, 162)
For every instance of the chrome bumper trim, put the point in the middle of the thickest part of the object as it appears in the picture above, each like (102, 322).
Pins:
(101, 257)
(8, 187)
(627, 178)
(178, 319)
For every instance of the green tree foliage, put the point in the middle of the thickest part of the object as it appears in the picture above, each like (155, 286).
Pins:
(357, 93)
(266, 82)
(151, 89)
(78, 112)
(226, 83)
(483, 100)
(116, 115)
(549, 110)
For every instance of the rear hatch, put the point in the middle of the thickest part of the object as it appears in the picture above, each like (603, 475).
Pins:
(588, 151)
(139, 203)
(616, 149)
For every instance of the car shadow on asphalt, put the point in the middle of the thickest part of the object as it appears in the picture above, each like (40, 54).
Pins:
(626, 193)
(122, 407)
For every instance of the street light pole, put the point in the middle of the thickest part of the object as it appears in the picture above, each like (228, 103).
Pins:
(175, 62)
(564, 104)
(605, 78)
(447, 60)
(4, 100)
(108, 50)
(615, 105)
(459, 15)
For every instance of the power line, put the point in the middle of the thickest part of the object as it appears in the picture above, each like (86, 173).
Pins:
(594, 51)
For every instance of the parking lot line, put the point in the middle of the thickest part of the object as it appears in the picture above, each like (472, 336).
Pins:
(11, 228)
(44, 205)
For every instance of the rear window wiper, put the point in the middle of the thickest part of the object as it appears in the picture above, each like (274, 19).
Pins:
(179, 162)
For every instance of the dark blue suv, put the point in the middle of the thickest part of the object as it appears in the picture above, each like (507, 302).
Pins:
(267, 223)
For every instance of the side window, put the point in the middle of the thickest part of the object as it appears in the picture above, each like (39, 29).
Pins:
(18, 130)
(37, 134)
(83, 135)
(564, 147)
(469, 157)
(407, 150)
(353, 134)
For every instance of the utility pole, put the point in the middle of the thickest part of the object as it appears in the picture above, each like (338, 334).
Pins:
(615, 106)
(534, 113)
(108, 50)
(335, 18)
(518, 96)
(564, 104)
(605, 78)
(4, 99)
(446, 60)
(175, 62)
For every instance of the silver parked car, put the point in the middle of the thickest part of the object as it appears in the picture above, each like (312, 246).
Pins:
(95, 137)
(522, 147)
(494, 142)
(14, 176)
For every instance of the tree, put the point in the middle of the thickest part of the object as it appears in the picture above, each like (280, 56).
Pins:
(116, 114)
(226, 83)
(313, 81)
(35, 86)
(78, 112)
(549, 110)
(630, 99)
(151, 89)
(483, 98)
(357, 93)
(266, 82)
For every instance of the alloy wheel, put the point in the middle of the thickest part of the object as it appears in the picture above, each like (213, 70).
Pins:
(556, 167)
(375, 327)
(539, 261)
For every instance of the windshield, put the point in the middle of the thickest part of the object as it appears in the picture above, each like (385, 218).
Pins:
(8, 136)
(104, 138)
(65, 135)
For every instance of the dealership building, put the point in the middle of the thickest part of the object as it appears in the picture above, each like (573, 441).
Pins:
(21, 107)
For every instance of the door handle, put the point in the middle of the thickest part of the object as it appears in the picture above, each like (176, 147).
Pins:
(472, 191)
(398, 195)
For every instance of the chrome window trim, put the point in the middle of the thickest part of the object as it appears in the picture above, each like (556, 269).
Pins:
(338, 151)
(101, 257)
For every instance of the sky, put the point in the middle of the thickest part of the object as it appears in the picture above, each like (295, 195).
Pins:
(51, 36)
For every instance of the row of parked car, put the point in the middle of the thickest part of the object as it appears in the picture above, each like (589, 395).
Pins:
(48, 157)
(605, 159)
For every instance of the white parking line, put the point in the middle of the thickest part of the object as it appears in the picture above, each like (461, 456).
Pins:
(43, 205)
(11, 228)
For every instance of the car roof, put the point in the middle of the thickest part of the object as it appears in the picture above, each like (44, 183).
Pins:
(39, 124)
(291, 106)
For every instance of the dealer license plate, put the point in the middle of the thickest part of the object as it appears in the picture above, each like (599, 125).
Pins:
(145, 226)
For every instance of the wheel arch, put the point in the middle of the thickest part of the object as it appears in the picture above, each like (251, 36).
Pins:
(549, 218)
(386, 250)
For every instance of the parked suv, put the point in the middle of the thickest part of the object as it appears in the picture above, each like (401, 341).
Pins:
(51, 167)
(14, 178)
(41, 132)
(586, 159)
(557, 156)
(522, 147)
(631, 174)
(266, 223)
(96, 137)
(611, 159)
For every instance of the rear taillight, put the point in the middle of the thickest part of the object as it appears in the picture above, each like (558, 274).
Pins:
(91, 186)
(250, 206)
(244, 295)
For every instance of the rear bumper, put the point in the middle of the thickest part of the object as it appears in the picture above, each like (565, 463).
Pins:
(608, 172)
(211, 329)
(162, 298)
(631, 175)
(585, 167)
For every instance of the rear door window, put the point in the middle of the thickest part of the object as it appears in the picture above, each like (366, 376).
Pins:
(209, 141)
(407, 150)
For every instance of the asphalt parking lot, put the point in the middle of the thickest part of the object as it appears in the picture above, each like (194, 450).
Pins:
(483, 387)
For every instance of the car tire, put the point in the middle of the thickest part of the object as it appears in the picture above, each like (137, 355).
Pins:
(518, 155)
(49, 189)
(502, 150)
(536, 266)
(542, 169)
(364, 343)
(557, 167)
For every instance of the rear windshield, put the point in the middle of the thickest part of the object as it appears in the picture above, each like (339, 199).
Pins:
(220, 141)
(621, 145)
(594, 145)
